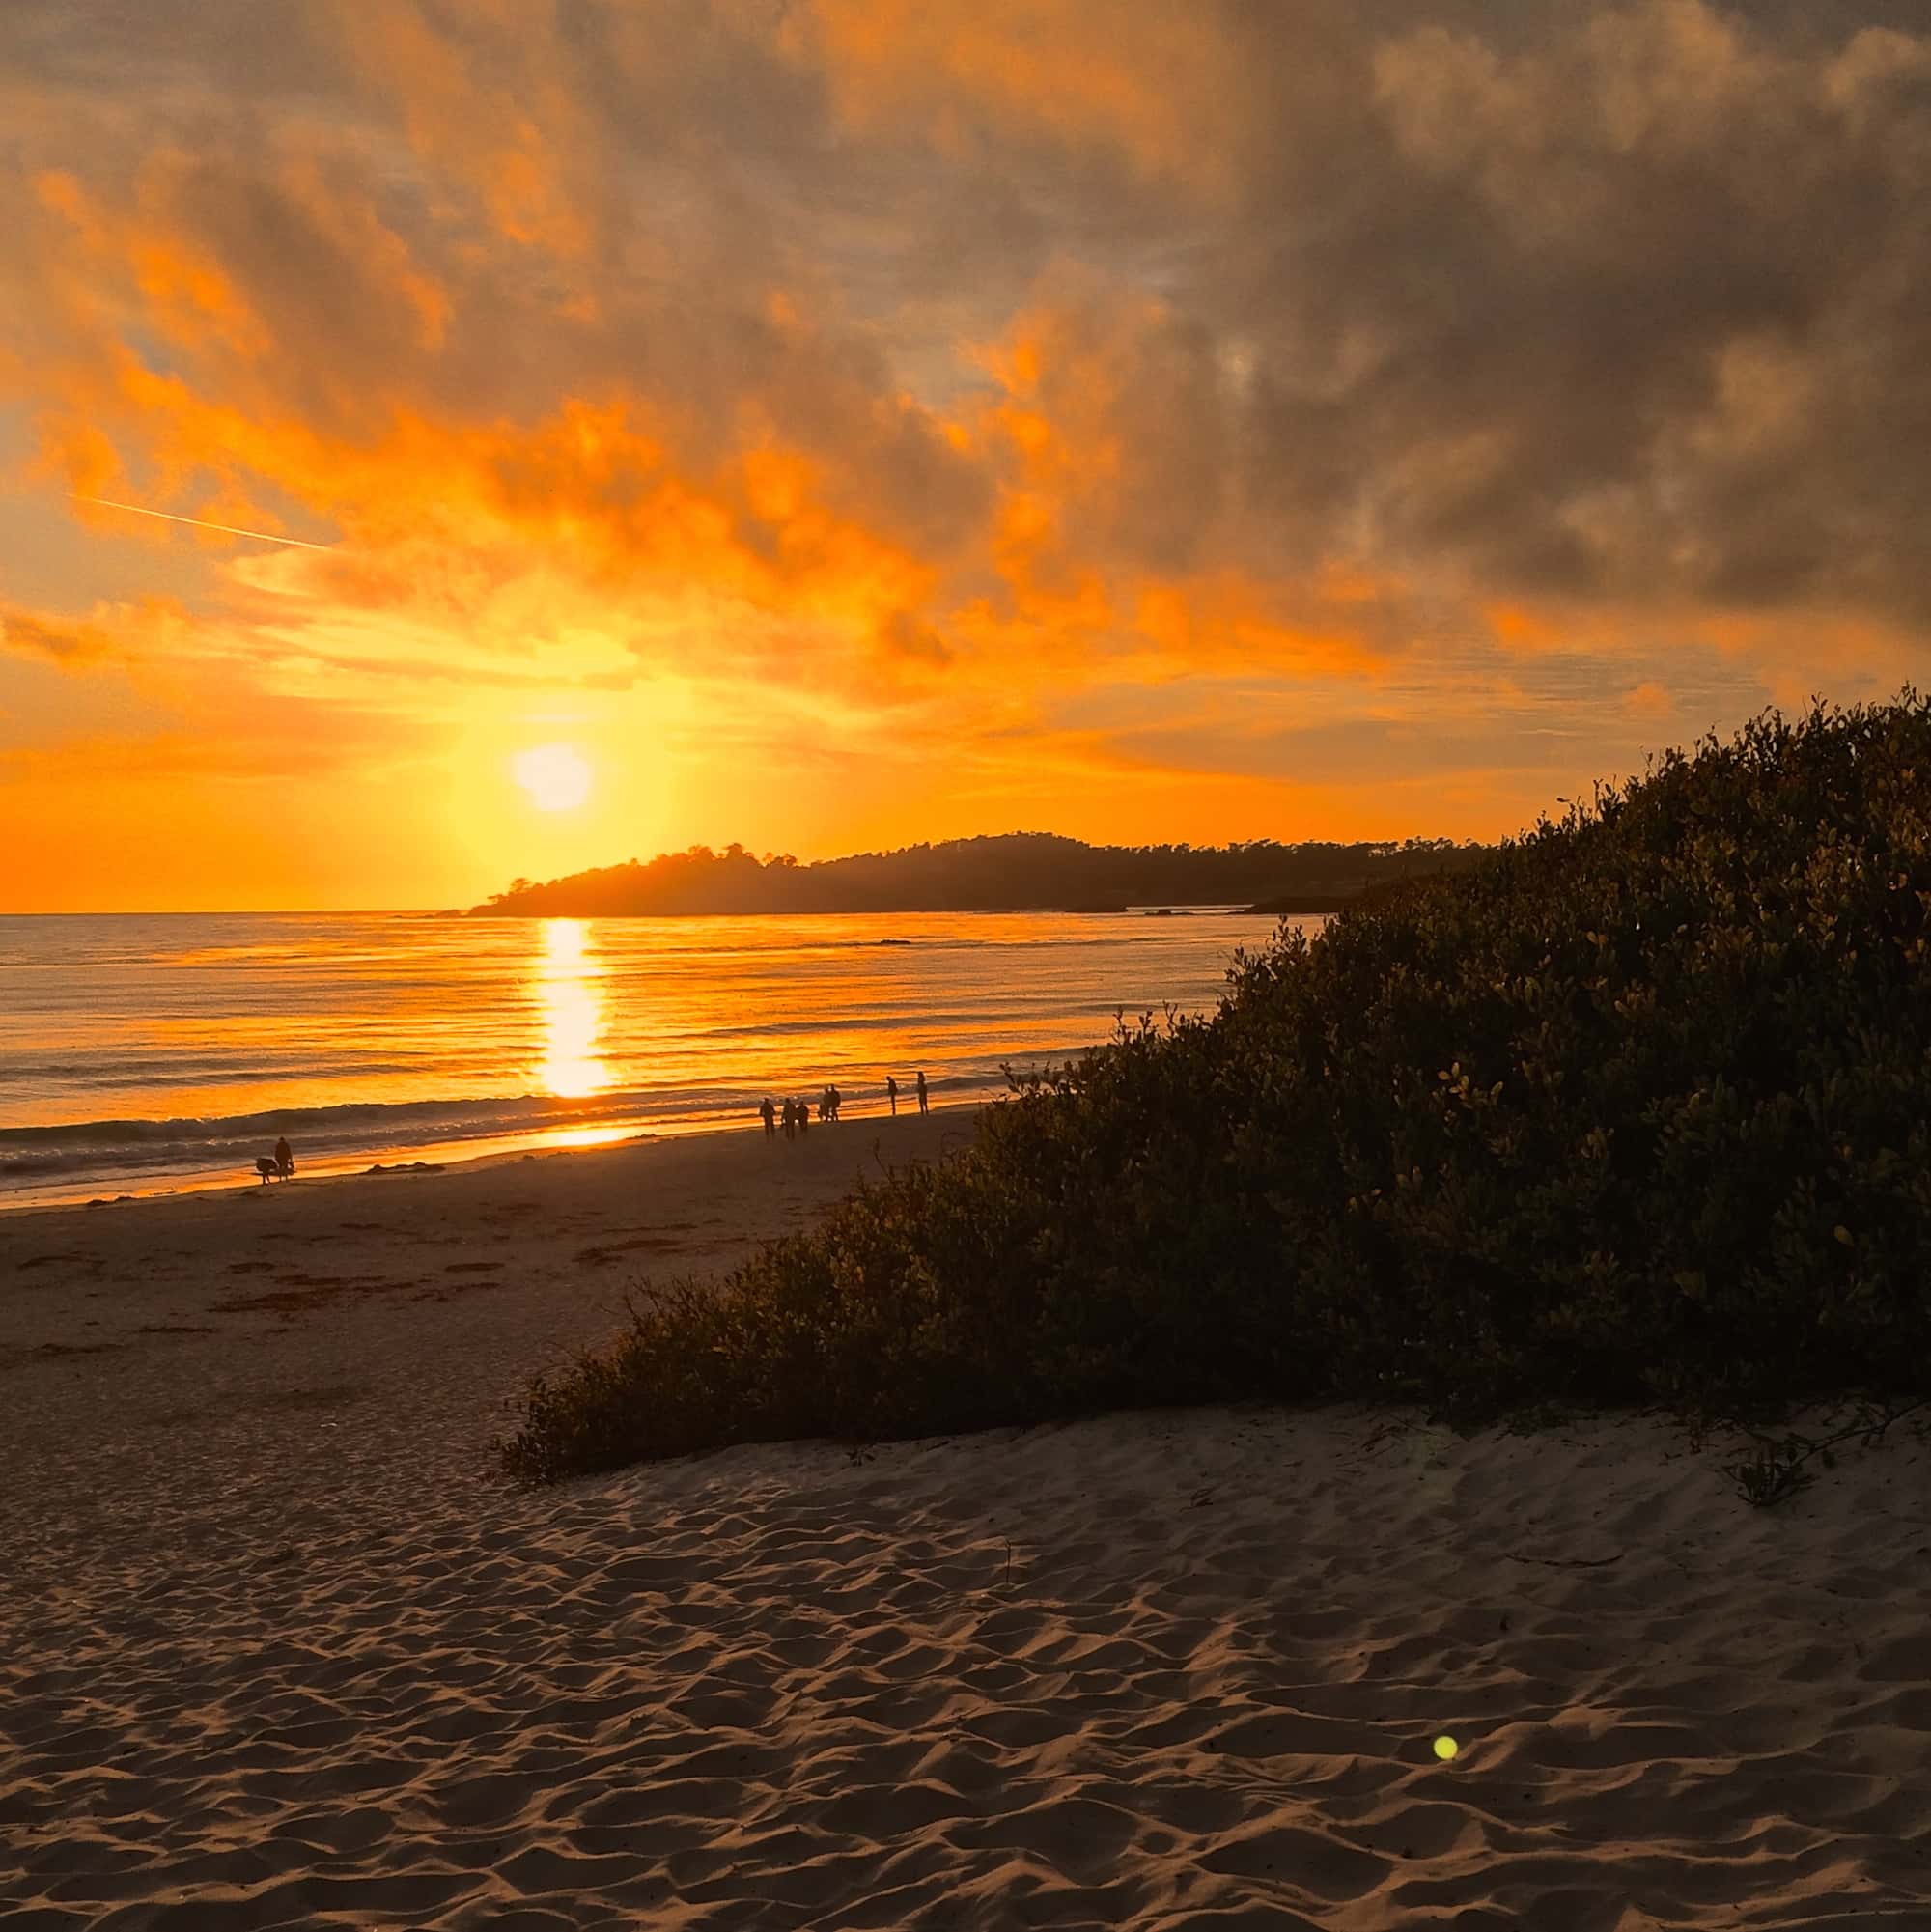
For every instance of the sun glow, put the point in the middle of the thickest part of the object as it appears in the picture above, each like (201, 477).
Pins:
(556, 777)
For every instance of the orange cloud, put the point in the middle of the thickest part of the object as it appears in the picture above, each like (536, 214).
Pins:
(1523, 629)
(185, 293)
(443, 521)
(1142, 80)
(510, 138)
(1227, 622)
(110, 631)
(1649, 700)
(64, 641)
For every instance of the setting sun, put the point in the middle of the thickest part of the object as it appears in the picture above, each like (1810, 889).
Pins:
(556, 777)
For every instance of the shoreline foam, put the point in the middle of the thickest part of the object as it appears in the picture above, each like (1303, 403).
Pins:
(481, 1149)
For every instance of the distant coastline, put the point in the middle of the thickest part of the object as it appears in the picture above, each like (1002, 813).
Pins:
(1011, 872)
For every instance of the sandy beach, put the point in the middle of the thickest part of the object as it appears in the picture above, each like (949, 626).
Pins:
(279, 1649)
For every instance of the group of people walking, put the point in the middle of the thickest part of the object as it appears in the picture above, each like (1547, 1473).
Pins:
(795, 1114)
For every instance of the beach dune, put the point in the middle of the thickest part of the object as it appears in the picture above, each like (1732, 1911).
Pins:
(277, 1649)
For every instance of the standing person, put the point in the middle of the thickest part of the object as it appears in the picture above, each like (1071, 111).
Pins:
(790, 1118)
(837, 1100)
(922, 1107)
(825, 1104)
(892, 1094)
(285, 1159)
(769, 1116)
(803, 1114)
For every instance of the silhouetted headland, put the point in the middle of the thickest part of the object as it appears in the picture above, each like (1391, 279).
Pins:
(1013, 872)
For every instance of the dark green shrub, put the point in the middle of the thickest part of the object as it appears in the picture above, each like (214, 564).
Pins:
(1637, 1108)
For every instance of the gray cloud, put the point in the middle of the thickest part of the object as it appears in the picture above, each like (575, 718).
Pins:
(1453, 707)
(1618, 303)
(1638, 303)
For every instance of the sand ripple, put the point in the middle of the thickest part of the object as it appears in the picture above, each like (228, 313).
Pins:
(1146, 1671)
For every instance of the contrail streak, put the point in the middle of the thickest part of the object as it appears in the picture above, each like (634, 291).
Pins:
(228, 529)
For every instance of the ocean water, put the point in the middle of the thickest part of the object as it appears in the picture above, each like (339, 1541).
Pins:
(143, 1053)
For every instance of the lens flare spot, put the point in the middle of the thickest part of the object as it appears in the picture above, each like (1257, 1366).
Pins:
(1446, 1748)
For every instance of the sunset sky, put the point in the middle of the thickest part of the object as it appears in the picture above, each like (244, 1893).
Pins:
(831, 424)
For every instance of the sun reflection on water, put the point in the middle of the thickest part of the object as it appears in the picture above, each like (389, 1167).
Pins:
(567, 991)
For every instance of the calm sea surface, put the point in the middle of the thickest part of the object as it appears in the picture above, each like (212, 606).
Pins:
(140, 1054)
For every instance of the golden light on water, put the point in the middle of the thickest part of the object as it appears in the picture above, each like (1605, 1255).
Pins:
(567, 990)
(555, 776)
(588, 1137)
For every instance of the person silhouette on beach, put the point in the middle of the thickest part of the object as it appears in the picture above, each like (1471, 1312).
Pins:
(803, 1115)
(285, 1159)
(769, 1116)
(892, 1094)
(790, 1118)
(922, 1107)
(836, 1099)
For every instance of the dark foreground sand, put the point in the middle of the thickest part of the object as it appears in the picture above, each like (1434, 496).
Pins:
(277, 1650)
